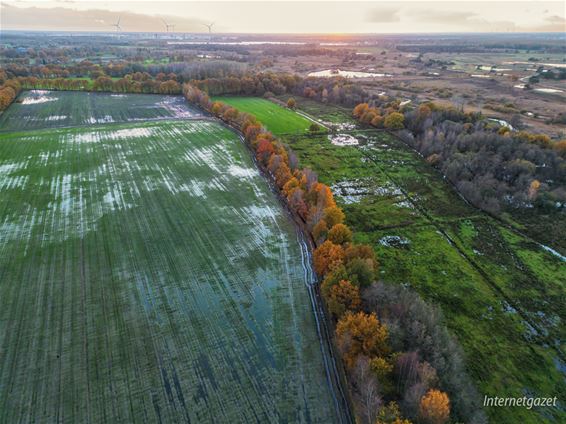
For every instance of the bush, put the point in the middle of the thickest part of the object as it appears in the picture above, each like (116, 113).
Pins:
(394, 121)
(314, 127)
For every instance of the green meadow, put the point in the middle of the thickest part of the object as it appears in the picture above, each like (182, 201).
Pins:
(501, 294)
(278, 119)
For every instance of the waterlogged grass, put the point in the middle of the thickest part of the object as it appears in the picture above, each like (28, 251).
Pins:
(502, 295)
(36, 109)
(277, 119)
(327, 113)
(148, 274)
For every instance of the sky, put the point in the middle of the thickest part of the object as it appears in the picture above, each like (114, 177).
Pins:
(415, 16)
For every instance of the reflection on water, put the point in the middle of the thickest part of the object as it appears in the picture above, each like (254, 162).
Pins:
(346, 74)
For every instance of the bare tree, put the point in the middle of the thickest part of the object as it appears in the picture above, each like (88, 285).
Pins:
(366, 390)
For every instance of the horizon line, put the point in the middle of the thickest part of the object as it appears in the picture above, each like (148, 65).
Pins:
(283, 33)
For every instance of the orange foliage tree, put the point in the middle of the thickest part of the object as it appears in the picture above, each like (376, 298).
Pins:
(360, 109)
(264, 151)
(435, 407)
(361, 334)
(327, 256)
(343, 297)
(333, 215)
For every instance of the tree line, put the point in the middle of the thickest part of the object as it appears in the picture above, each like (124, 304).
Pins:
(494, 168)
(9, 90)
(135, 83)
(86, 69)
(215, 77)
(337, 90)
(393, 376)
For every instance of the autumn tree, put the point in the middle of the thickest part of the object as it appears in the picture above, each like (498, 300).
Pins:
(435, 407)
(560, 146)
(291, 103)
(264, 151)
(369, 116)
(290, 186)
(327, 256)
(7, 96)
(360, 109)
(362, 251)
(361, 334)
(3, 76)
(377, 121)
(216, 108)
(251, 130)
(533, 189)
(169, 87)
(320, 230)
(340, 234)
(231, 114)
(102, 83)
(390, 414)
(323, 196)
(343, 297)
(333, 215)
(333, 277)
(394, 121)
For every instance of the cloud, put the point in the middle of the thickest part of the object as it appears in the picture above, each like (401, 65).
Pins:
(62, 18)
(246, 16)
(555, 19)
(383, 15)
(552, 23)
(441, 16)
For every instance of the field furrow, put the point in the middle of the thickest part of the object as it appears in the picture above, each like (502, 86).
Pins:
(148, 273)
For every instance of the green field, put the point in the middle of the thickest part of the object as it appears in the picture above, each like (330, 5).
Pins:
(36, 109)
(148, 274)
(502, 294)
(325, 113)
(276, 118)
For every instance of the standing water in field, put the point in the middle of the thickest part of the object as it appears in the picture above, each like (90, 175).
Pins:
(148, 274)
(37, 109)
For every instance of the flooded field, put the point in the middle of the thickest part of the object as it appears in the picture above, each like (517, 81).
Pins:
(347, 74)
(37, 109)
(148, 274)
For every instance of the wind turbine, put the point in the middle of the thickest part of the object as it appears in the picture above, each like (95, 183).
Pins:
(209, 26)
(168, 25)
(117, 25)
